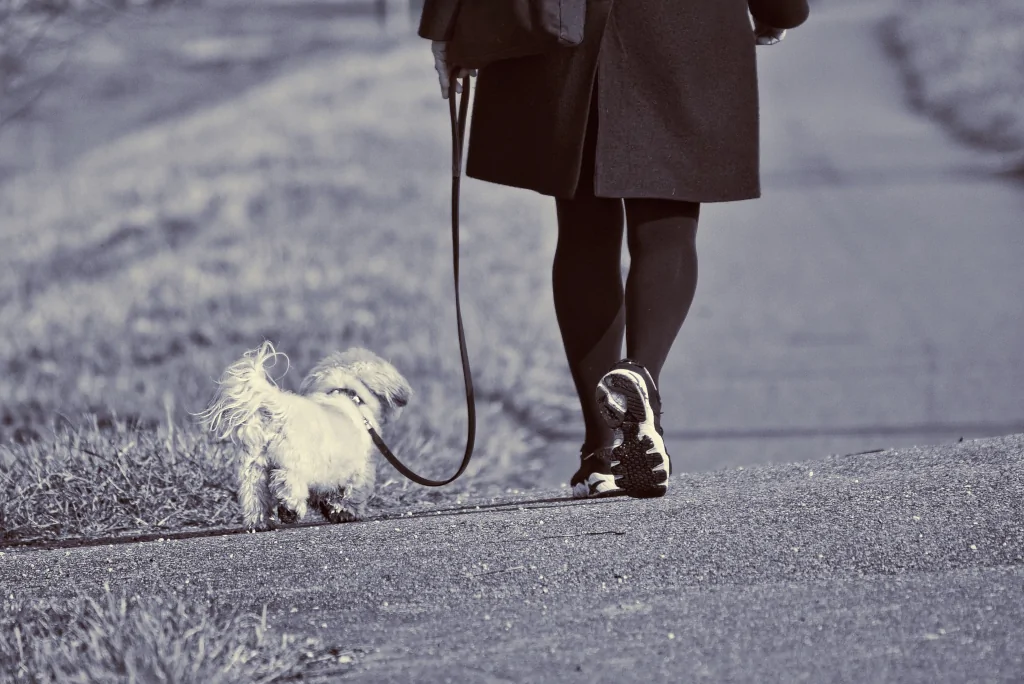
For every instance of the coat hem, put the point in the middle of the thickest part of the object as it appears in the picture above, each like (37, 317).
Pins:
(667, 194)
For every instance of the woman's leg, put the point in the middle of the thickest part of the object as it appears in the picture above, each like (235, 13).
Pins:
(659, 290)
(588, 291)
(662, 280)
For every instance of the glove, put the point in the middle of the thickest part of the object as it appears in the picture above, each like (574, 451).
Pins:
(444, 70)
(767, 35)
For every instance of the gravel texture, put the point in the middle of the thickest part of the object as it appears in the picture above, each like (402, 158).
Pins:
(904, 565)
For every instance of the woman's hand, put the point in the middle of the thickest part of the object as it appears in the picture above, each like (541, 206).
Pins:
(444, 70)
(767, 35)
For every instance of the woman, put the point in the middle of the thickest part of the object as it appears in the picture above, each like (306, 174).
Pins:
(653, 114)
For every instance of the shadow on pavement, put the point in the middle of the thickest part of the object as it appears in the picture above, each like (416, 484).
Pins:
(463, 509)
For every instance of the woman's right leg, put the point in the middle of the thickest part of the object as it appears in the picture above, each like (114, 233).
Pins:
(588, 288)
(588, 293)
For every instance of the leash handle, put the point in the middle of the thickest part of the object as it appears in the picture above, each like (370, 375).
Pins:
(458, 134)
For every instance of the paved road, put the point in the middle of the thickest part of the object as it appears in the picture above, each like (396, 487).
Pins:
(897, 566)
(870, 298)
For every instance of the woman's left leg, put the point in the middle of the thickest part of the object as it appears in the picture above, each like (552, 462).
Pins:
(662, 240)
(662, 280)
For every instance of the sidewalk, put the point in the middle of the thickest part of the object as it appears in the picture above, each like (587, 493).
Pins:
(898, 566)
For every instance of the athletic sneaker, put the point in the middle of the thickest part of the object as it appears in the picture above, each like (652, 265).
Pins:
(594, 476)
(631, 405)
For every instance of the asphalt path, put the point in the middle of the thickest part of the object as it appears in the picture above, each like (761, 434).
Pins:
(900, 566)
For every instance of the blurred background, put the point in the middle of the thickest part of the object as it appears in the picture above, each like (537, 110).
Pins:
(180, 179)
(136, 62)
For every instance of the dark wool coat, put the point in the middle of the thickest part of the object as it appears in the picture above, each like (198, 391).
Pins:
(676, 82)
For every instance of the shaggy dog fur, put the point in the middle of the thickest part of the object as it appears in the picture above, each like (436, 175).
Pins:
(310, 448)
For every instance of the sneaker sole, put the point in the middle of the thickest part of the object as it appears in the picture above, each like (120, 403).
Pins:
(639, 465)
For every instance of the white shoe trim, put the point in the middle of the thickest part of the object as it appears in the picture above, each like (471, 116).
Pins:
(601, 482)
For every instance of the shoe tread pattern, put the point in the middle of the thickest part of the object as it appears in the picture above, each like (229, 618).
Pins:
(634, 468)
(634, 461)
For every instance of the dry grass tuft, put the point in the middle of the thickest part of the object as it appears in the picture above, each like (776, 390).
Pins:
(114, 638)
(104, 480)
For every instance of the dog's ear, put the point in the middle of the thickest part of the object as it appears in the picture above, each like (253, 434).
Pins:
(388, 384)
(401, 398)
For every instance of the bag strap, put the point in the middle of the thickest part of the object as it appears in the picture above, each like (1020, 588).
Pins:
(458, 133)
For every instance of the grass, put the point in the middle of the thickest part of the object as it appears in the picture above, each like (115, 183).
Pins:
(105, 69)
(115, 637)
(964, 64)
(312, 211)
(95, 480)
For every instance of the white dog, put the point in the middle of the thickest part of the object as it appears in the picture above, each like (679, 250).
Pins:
(306, 448)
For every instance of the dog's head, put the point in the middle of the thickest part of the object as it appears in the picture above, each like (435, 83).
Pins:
(359, 374)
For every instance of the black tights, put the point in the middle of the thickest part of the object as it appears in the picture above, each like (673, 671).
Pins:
(594, 311)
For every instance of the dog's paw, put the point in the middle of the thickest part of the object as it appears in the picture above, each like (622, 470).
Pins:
(339, 513)
(261, 525)
(286, 515)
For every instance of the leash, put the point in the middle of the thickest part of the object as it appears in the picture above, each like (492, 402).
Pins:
(458, 133)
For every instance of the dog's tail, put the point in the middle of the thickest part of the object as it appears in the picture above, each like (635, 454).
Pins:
(248, 402)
